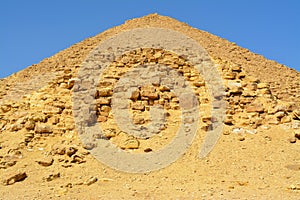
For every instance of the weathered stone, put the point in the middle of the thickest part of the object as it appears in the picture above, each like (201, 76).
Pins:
(29, 125)
(264, 91)
(42, 128)
(296, 114)
(164, 88)
(149, 95)
(285, 119)
(16, 127)
(52, 177)
(271, 119)
(8, 161)
(292, 140)
(255, 108)
(263, 85)
(131, 143)
(71, 150)
(280, 114)
(109, 133)
(102, 119)
(135, 95)
(28, 137)
(45, 161)
(78, 159)
(104, 92)
(199, 83)
(52, 110)
(71, 82)
(91, 180)
(6, 108)
(138, 106)
(230, 75)
(14, 177)
(103, 101)
(39, 117)
(58, 149)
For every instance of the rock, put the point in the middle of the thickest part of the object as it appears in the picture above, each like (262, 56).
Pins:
(150, 95)
(102, 119)
(280, 114)
(39, 118)
(78, 159)
(147, 150)
(131, 143)
(138, 106)
(297, 135)
(230, 75)
(71, 82)
(138, 119)
(8, 161)
(229, 120)
(6, 108)
(199, 83)
(296, 114)
(286, 119)
(241, 138)
(292, 140)
(41, 128)
(255, 108)
(58, 149)
(109, 133)
(29, 125)
(265, 91)
(263, 85)
(52, 110)
(71, 150)
(14, 177)
(103, 101)
(135, 95)
(16, 127)
(45, 161)
(104, 92)
(164, 88)
(51, 177)
(272, 119)
(91, 181)
(28, 137)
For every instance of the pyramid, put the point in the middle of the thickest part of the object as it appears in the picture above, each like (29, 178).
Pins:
(41, 145)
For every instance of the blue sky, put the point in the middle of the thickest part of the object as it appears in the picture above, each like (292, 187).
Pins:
(32, 30)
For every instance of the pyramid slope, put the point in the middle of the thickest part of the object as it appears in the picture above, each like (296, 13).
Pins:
(284, 81)
(256, 157)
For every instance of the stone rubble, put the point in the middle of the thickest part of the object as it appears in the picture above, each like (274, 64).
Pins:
(43, 109)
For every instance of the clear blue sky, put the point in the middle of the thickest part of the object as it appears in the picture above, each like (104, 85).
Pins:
(32, 30)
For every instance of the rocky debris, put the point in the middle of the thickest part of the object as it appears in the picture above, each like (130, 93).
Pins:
(71, 151)
(52, 177)
(292, 140)
(255, 101)
(131, 143)
(294, 187)
(296, 114)
(7, 161)
(91, 181)
(41, 128)
(28, 137)
(45, 161)
(58, 149)
(14, 177)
